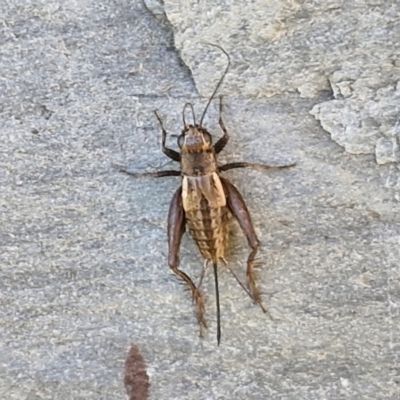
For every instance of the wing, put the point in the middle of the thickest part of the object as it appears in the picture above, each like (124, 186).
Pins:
(197, 188)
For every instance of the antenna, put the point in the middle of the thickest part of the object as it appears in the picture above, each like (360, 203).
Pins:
(220, 81)
(183, 114)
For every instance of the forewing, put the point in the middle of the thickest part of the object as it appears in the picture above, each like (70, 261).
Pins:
(195, 189)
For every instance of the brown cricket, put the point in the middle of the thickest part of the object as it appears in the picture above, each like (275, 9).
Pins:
(204, 202)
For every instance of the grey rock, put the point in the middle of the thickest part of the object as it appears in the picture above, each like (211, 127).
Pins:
(343, 122)
(348, 48)
(387, 151)
(156, 7)
(83, 249)
(365, 114)
(279, 46)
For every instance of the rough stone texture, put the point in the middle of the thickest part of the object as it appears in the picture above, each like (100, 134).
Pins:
(364, 117)
(83, 248)
(349, 47)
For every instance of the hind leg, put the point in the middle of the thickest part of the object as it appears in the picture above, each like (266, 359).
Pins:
(203, 271)
(176, 228)
(238, 208)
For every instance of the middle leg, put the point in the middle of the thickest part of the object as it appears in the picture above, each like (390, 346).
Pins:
(235, 165)
(158, 174)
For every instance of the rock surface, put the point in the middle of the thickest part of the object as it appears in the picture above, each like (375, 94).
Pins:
(83, 248)
(313, 47)
(364, 117)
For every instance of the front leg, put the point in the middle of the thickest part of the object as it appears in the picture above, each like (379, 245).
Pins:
(174, 155)
(176, 228)
(221, 143)
(239, 210)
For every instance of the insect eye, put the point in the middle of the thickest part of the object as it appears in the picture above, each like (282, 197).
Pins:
(181, 140)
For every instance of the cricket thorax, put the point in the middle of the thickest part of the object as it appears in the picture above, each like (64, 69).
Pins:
(198, 164)
(197, 153)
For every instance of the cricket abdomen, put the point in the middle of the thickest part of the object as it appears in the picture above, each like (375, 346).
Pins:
(204, 202)
(209, 229)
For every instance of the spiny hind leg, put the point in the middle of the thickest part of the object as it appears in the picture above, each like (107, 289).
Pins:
(203, 271)
(197, 297)
(238, 208)
(250, 277)
(176, 228)
(236, 277)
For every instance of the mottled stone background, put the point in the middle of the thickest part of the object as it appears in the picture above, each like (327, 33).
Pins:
(83, 247)
(348, 48)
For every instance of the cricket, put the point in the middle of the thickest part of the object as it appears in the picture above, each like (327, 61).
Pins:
(204, 203)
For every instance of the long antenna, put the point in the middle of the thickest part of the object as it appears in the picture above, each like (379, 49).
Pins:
(220, 81)
(217, 300)
(183, 114)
